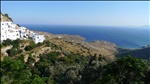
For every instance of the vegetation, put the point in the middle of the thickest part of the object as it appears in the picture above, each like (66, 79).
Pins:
(18, 25)
(74, 69)
(1, 45)
(8, 17)
(125, 70)
(30, 46)
(14, 43)
(140, 53)
(62, 67)
(13, 51)
(16, 47)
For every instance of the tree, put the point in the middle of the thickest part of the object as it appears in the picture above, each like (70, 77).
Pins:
(14, 72)
(125, 70)
(92, 70)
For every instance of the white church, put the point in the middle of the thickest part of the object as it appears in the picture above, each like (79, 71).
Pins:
(9, 30)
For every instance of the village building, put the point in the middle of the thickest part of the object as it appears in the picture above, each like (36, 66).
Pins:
(38, 38)
(9, 30)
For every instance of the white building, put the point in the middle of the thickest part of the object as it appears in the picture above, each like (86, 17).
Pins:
(23, 32)
(37, 38)
(4, 29)
(9, 31)
(13, 34)
(9, 24)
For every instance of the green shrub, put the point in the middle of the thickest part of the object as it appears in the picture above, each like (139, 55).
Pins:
(20, 51)
(1, 45)
(30, 46)
(7, 42)
(12, 52)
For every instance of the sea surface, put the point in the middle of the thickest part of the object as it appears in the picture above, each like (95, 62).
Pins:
(126, 37)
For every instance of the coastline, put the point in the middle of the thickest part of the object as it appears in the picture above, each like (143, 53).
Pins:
(121, 37)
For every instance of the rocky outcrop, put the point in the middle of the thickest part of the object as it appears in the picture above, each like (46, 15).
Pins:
(5, 17)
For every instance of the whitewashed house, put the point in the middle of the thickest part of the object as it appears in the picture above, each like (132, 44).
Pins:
(8, 31)
(23, 32)
(9, 24)
(37, 38)
(13, 34)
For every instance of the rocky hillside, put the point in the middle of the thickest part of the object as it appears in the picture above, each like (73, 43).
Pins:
(77, 44)
(5, 17)
(66, 43)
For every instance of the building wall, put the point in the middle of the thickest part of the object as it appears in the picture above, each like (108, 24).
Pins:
(4, 29)
(8, 31)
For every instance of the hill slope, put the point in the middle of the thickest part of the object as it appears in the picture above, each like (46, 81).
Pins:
(143, 53)
(68, 43)
(5, 17)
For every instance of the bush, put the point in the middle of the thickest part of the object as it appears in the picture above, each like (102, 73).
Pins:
(1, 45)
(8, 17)
(30, 46)
(7, 42)
(12, 52)
(14, 43)
(20, 51)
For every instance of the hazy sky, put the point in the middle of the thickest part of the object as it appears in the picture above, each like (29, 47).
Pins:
(106, 13)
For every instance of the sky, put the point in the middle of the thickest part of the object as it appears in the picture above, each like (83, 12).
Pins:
(97, 13)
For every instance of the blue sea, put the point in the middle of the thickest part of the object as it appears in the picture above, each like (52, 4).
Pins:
(126, 37)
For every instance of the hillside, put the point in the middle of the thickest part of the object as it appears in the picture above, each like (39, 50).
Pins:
(143, 53)
(68, 43)
(5, 17)
(68, 59)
